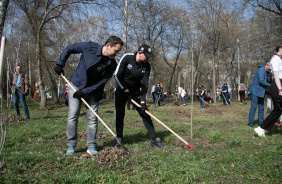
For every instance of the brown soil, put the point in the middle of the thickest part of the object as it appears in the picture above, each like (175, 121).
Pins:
(181, 113)
(213, 111)
(108, 154)
(111, 154)
(12, 118)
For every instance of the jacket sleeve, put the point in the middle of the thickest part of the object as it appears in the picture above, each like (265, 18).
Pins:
(108, 73)
(120, 72)
(71, 49)
(262, 76)
(145, 83)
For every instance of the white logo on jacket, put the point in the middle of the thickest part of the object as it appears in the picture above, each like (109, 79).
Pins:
(129, 66)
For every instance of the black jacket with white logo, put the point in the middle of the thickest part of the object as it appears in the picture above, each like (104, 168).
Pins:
(133, 76)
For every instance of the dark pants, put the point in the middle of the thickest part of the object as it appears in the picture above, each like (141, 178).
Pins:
(271, 119)
(225, 98)
(156, 99)
(242, 95)
(120, 102)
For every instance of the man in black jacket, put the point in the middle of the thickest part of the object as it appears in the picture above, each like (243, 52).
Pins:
(133, 78)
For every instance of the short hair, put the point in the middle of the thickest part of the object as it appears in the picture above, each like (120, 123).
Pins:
(19, 66)
(277, 48)
(114, 40)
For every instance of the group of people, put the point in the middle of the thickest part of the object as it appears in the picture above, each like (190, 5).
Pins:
(132, 74)
(95, 68)
(267, 80)
(220, 93)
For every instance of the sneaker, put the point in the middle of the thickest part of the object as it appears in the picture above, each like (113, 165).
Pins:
(92, 151)
(27, 118)
(70, 150)
(260, 131)
(157, 143)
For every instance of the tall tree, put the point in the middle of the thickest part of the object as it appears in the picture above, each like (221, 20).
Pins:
(39, 14)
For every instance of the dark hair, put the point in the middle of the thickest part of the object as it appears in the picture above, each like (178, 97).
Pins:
(277, 48)
(114, 40)
(241, 81)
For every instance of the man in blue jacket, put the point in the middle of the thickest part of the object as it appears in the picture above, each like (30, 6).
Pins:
(258, 88)
(95, 68)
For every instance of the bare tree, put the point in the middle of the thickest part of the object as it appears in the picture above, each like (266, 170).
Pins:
(39, 14)
(273, 6)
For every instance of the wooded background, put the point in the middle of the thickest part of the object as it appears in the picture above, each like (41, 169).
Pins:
(194, 41)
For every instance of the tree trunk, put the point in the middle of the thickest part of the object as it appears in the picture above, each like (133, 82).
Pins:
(213, 92)
(41, 86)
(3, 10)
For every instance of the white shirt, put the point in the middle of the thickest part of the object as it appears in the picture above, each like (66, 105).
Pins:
(276, 65)
(181, 91)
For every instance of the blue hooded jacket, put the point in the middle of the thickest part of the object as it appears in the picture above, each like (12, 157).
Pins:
(259, 83)
(91, 54)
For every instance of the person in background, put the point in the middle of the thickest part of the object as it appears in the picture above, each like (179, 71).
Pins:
(19, 85)
(275, 91)
(225, 95)
(153, 88)
(161, 93)
(201, 93)
(258, 88)
(96, 66)
(181, 93)
(242, 91)
(132, 73)
(157, 95)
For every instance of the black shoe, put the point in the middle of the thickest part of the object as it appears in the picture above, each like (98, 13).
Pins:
(251, 125)
(117, 144)
(157, 143)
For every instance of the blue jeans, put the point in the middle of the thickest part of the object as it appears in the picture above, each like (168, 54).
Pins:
(16, 96)
(256, 101)
(156, 99)
(202, 102)
(92, 121)
(225, 99)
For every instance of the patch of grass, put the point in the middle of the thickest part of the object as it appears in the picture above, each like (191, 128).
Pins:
(215, 137)
(235, 143)
(226, 150)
